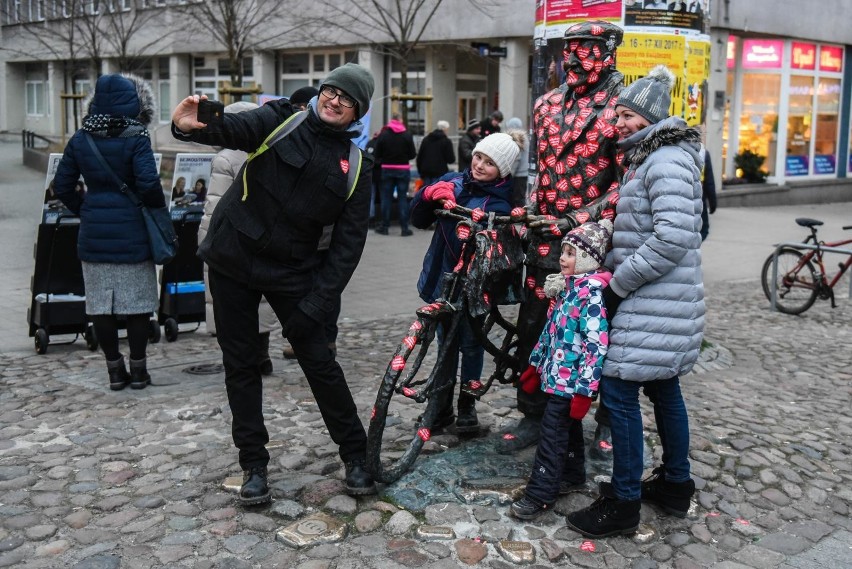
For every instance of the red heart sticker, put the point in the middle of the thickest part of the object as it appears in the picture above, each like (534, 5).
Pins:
(539, 292)
(613, 198)
(608, 214)
(588, 546)
(486, 298)
(424, 434)
(373, 413)
(592, 135)
(597, 30)
(550, 160)
(603, 162)
(583, 217)
(545, 179)
(410, 342)
(592, 192)
(561, 168)
(518, 212)
(530, 282)
(576, 201)
(591, 170)
(583, 52)
(543, 249)
(462, 232)
(600, 95)
(475, 384)
(571, 160)
(416, 325)
(608, 114)
(561, 204)
(555, 230)
(344, 165)
(477, 214)
(408, 392)
(397, 363)
(551, 194)
(576, 180)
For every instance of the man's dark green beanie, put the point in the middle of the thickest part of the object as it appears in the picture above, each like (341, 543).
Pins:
(356, 81)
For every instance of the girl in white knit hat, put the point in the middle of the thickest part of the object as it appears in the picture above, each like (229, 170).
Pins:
(486, 185)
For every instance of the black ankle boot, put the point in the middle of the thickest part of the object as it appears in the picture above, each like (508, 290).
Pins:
(139, 377)
(118, 376)
(265, 361)
(606, 516)
(358, 481)
(254, 490)
(528, 509)
(467, 422)
(673, 497)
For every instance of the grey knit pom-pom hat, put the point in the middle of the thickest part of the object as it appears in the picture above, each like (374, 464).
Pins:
(650, 96)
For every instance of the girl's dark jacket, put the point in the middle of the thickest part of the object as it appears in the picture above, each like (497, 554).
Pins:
(445, 248)
(270, 232)
(111, 227)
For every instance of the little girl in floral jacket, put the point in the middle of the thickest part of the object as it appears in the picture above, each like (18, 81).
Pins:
(566, 364)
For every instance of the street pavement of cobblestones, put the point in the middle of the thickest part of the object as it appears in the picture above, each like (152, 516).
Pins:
(94, 479)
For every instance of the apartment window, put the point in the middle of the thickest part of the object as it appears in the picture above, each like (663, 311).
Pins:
(36, 104)
(165, 94)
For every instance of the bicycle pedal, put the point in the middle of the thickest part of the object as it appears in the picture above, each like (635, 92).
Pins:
(475, 388)
(410, 393)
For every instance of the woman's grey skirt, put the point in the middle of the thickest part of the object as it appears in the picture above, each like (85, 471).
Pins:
(120, 288)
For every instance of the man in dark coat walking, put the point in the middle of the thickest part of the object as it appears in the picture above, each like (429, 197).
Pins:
(262, 242)
(435, 154)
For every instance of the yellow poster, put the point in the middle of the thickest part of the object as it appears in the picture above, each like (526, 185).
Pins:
(639, 53)
(697, 74)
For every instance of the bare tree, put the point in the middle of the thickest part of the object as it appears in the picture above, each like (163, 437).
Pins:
(390, 27)
(242, 26)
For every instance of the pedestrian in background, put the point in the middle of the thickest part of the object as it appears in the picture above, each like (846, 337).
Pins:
(467, 142)
(435, 154)
(223, 171)
(520, 171)
(491, 124)
(302, 96)
(262, 242)
(119, 276)
(708, 195)
(656, 307)
(566, 365)
(394, 151)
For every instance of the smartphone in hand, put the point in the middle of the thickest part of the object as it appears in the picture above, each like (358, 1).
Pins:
(211, 113)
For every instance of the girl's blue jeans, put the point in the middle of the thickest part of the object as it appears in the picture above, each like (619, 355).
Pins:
(622, 399)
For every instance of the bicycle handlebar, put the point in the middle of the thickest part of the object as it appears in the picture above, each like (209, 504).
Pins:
(462, 213)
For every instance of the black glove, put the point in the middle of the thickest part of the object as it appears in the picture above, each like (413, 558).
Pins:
(611, 301)
(298, 326)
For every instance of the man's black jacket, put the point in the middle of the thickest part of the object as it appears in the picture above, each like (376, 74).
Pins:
(270, 232)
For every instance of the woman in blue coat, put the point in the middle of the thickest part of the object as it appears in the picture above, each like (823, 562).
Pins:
(118, 271)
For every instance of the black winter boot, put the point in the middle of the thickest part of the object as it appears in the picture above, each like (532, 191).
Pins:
(358, 480)
(606, 516)
(265, 361)
(139, 377)
(673, 497)
(254, 490)
(528, 508)
(467, 422)
(118, 376)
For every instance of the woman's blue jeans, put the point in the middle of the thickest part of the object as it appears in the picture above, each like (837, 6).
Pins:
(622, 399)
(398, 180)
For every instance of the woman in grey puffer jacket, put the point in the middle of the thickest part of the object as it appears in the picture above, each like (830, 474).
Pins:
(656, 332)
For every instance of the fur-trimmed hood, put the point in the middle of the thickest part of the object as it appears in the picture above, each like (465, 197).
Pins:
(122, 95)
(672, 131)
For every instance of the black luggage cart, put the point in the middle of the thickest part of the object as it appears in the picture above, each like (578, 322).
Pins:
(182, 278)
(58, 304)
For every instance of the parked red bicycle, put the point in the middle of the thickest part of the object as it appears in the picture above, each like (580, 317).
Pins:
(801, 276)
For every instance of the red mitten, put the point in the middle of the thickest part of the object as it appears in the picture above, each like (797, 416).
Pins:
(440, 191)
(530, 380)
(580, 406)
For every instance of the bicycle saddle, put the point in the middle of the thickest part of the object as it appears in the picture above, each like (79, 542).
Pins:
(808, 222)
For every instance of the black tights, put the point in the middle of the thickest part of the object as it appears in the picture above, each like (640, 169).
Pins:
(106, 330)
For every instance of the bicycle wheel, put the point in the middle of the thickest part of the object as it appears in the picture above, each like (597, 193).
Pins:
(395, 437)
(796, 284)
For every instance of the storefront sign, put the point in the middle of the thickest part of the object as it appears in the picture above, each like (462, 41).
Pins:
(831, 58)
(824, 163)
(553, 17)
(804, 56)
(762, 54)
(732, 50)
(796, 166)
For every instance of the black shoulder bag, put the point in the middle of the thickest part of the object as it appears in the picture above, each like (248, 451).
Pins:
(158, 221)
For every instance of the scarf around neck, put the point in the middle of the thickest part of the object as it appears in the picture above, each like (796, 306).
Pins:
(109, 126)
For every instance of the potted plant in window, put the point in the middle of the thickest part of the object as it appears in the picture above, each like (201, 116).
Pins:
(749, 169)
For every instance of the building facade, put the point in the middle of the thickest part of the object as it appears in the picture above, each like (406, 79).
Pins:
(778, 80)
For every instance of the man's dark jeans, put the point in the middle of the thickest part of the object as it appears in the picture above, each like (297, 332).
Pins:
(235, 308)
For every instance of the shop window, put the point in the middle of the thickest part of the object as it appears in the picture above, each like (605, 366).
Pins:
(295, 63)
(827, 125)
(799, 125)
(758, 130)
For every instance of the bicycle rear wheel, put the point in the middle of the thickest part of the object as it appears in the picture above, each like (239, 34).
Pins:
(796, 284)
(395, 436)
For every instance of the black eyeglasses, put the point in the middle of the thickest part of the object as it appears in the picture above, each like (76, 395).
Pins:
(345, 100)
